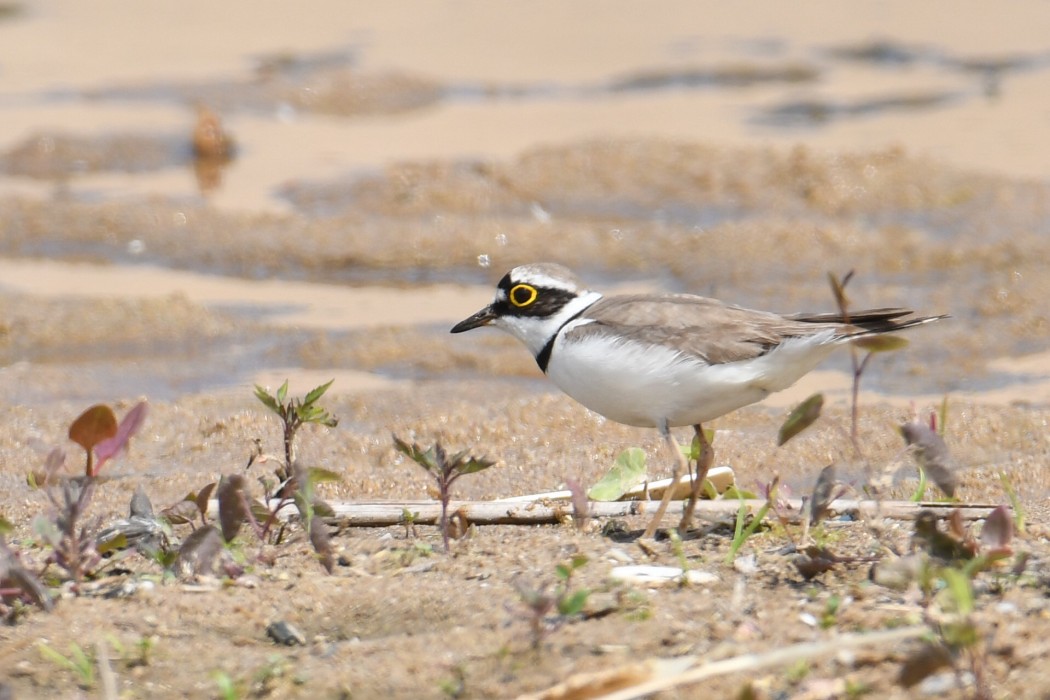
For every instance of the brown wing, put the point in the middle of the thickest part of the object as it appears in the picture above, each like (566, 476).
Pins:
(699, 326)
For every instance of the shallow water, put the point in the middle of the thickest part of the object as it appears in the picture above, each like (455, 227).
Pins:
(383, 161)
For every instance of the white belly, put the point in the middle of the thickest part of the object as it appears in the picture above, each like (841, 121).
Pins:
(642, 385)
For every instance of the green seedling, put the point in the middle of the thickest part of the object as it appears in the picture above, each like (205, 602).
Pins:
(296, 481)
(445, 469)
(549, 611)
(228, 688)
(872, 344)
(742, 532)
(1015, 502)
(78, 661)
(296, 413)
(919, 494)
(628, 471)
(829, 618)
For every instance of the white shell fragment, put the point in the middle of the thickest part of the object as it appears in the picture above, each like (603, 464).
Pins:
(648, 575)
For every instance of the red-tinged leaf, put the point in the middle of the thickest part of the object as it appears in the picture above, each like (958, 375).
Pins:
(181, 513)
(93, 426)
(259, 510)
(322, 544)
(813, 561)
(202, 497)
(199, 552)
(838, 290)
(800, 418)
(923, 663)
(132, 422)
(823, 494)
(232, 505)
(998, 529)
(955, 525)
(932, 455)
(881, 343)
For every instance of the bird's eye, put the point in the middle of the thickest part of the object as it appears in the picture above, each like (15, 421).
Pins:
(521, 295)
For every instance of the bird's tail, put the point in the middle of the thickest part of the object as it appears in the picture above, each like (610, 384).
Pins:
(870, 321)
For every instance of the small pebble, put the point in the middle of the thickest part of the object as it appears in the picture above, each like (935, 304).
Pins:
(285, 633)
(941, 683)
(746, 565)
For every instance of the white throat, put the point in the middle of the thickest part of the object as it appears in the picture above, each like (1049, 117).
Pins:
(535, 331)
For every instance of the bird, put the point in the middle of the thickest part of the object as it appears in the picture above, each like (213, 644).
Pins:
(663, 360)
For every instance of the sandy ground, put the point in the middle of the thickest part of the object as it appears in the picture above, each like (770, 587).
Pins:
(391, 162)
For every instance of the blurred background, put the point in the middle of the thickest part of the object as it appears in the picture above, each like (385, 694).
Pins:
(195, 196)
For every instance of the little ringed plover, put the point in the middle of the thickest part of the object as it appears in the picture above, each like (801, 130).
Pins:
(665, 360)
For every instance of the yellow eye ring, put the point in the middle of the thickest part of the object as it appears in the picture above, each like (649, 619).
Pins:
(521, 295)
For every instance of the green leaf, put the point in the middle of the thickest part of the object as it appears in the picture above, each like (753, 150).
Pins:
(282, 393)
(574, 603)
(6, 527)
(317, 393)
(881, 343)
(112, 544)
(627, 472)
(416, 454)
(318, 475)
(692, 450)
(800, 418)
(563, 572)
(474, 464)
(959, 590)
(267, 400)
(920, 491)
(735, 492)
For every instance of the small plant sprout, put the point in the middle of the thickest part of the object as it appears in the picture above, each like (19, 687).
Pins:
(549, 611)
(297, 481)
(72, 542)
(931, 455)
(78, 661)
(445, 469)
(628, 471)
(296, 413)
(1015, 502)
(742, 532)
(17, 583)
(872, 344)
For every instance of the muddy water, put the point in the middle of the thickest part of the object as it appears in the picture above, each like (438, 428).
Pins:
(389, 165)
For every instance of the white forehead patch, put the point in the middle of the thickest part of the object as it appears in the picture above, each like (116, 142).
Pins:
(546, 275)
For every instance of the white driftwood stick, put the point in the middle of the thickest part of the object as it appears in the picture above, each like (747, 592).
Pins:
(675, 677)
(386, 513)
